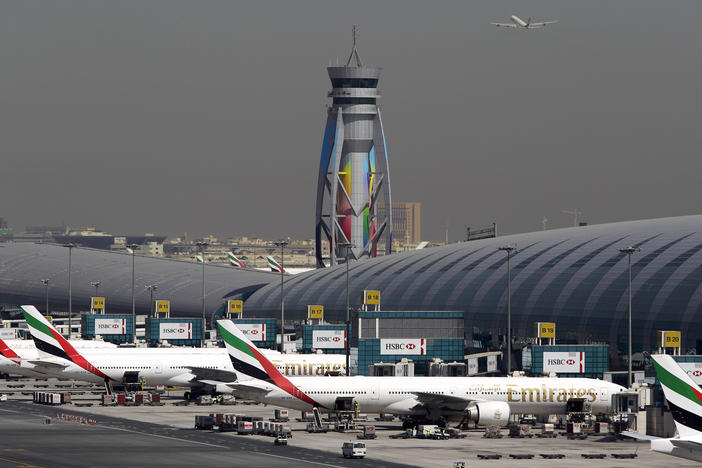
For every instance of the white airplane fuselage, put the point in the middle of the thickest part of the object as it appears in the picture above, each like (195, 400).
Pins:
(519, 22)
(26, 351)
(397, 395)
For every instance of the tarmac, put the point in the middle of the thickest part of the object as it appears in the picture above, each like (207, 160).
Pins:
(165, 436)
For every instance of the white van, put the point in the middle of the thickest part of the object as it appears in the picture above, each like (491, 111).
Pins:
(353, 449)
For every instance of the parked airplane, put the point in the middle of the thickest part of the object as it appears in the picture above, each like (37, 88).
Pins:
(484, 400)
(517, 22)
(235, 261)
(275, 266)
(18, 356)
(204, 370)
(684, 399)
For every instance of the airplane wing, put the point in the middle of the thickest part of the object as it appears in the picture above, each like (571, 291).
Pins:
(48, 365)
(443, 401)
(504, 25)
(204, 373)
(638, 436)
(542, 24)
(686, 444)
(248, 392)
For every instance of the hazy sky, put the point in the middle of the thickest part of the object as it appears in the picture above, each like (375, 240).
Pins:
(206, 116)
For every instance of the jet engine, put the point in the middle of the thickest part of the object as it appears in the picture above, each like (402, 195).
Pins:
(489, 413)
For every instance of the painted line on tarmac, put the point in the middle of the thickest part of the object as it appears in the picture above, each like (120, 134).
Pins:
(20, 463)
(297, 459)
(164, 437)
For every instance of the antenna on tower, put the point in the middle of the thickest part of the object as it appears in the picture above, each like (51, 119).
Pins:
(354, 52)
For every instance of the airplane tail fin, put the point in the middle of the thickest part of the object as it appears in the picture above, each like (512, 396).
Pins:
(248, 360)
(49, 341)
(9, 353)
(275, 266)
(684, 396)
(235, 261)
(46, 338)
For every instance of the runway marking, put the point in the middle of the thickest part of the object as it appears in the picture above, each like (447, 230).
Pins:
(20, 463)
(297, 459)
(165, 437)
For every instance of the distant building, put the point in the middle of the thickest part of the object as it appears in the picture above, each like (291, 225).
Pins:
(406, 222)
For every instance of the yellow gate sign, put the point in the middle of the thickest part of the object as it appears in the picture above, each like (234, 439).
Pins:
(235, 306)
(668, 339)
(371, 297)
(315, 312)
(163, 307)
(97, 303)
(545, 330)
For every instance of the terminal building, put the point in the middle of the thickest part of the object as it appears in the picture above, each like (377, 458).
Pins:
(574, 277)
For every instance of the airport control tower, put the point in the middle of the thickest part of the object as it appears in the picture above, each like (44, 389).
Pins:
(353, 170)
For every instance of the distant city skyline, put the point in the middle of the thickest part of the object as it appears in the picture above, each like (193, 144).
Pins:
(173, 116)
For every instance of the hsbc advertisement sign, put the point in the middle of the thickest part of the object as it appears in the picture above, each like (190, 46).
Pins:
(329, 339)
(253, 331)
(175, 331)
(410, 346)
(572, 363)
(693, 369)
(105, 326)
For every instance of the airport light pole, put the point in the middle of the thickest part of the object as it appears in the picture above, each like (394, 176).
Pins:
(202, 245)
(45, 282)
(629, 251)
(131, 248)
(282, 244)
(347, 247)
(151, 288)
(70, 246)
(509, 249)
(96, 285)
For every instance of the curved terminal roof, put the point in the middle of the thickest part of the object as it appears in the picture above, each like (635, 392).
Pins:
(575, 277)
(24, 265)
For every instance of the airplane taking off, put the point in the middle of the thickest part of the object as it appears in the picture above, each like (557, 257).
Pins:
(517, 22)
(483, 400)
(684, 399)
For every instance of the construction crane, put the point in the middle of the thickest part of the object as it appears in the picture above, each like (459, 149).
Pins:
(576, 214)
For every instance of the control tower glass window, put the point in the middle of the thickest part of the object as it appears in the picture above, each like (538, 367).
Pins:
(354, 83)
(341, 101)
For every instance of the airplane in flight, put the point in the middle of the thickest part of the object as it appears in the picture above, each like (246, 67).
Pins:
(204, 370)
(438, 400)
(684, 399)
(519, 23)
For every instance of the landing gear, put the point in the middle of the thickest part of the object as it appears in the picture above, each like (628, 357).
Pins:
(187, 396)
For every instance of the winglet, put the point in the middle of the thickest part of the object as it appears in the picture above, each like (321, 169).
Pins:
(48, 340)
(684, 396)
(249, 361)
